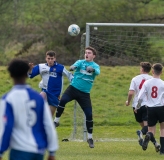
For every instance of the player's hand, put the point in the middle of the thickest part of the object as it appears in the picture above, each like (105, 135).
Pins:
(90, 69)
(127, 103)
(31, 65)
(135, 110)
(72, 68)
(51, 158)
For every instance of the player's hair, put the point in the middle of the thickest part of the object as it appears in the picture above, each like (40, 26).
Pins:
(18, 68)
(92, 49)
(51, 53)
(157, 67)
(146, 66)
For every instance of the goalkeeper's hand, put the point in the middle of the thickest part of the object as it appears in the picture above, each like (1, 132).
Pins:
(90, 69)
(72, 68)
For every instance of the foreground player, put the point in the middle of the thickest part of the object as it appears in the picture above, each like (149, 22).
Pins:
(85, 72)
(25, 120)
(153, 90)
(52, 79)
(140, 114)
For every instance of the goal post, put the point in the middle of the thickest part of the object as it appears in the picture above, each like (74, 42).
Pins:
(119, 44)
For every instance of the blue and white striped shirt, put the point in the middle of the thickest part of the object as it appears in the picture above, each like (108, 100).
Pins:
(26, 122)
(52, 77)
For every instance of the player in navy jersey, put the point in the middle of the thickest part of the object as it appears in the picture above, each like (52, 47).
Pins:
(153, 90)
(26, 126)
(52, 79)
(140, 114)
(85, 72)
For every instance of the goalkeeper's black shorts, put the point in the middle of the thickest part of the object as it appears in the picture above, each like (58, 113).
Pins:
(71, 93)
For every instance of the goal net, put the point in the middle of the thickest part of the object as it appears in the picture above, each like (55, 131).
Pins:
(118, 44)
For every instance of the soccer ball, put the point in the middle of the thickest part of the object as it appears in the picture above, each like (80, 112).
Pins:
(73, 30)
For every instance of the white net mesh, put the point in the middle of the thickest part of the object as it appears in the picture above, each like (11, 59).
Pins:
(126, 45)
(119, 46)
(79, 128)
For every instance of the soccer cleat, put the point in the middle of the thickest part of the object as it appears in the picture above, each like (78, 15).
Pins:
(157, 147)
(91, 143)
(140, 138)
(146, 141)
(56, 124)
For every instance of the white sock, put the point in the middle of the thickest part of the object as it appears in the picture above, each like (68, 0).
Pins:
(57, 119)
(89, 135)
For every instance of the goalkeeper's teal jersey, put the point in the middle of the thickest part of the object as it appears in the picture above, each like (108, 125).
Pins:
(83, 80)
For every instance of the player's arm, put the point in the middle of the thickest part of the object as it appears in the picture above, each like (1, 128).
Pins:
(131, 92)
(33, 71)
(68, 74)
(50, 132)
(141, 96)
(75, 65)
(94, 69)
(130, 96)
(6, 125)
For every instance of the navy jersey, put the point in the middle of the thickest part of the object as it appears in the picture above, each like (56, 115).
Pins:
(52, 77)
(26, 122)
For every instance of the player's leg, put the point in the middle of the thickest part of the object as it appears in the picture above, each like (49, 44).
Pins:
(162, 137)
(152, 120)
(85, 103)
(161, 121)
(138, 117)
(144, 130)
(68, 96)
(52, 100)
(43, 94)
(89, 125)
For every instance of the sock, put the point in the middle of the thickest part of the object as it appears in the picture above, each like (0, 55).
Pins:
(152, 137)
(89, 135)
(89, 125)
(57, 119)
(144, 130)
(162, 144)
(59, 111)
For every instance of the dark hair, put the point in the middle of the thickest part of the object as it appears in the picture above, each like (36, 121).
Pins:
(18, 68)
(146, 66)
(51, 53)
(92, 49)
(157, 67)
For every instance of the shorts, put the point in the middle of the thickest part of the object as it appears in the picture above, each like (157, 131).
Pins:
(51, 99)
(141, 114)
(82, 98)
(22, 155)
(155, 114)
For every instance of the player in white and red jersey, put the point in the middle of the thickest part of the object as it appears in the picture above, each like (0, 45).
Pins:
(153, 91)
(140, 114)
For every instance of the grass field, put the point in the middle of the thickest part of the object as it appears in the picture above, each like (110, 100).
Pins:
(114, 124)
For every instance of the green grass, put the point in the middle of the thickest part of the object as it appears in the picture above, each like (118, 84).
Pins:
(112, 119)
(111, 149)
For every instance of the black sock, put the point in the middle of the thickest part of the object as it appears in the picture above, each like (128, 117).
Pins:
(152, 137)
(162, 144)
(59, 111)
(89, 125)
(144, 130)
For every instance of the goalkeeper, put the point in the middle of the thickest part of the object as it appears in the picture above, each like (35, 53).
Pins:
(85, 72)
